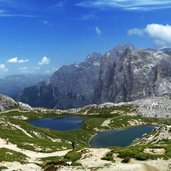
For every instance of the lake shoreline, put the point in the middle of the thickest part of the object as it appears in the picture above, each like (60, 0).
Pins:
(120, 131)
(62, 123)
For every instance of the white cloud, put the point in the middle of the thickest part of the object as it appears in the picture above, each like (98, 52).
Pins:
(16, 60)
(136, 31)
(127, 4)
(98, 30)
(3, 68)
(12, 60)
(45, 61)
(161, 34)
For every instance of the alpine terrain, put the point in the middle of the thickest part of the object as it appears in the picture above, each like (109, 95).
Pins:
(120, 75)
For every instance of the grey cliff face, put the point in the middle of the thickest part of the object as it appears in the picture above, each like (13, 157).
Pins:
(134, 74)
(70, 86)
(120, 75)
(75, 85)
(115, 75)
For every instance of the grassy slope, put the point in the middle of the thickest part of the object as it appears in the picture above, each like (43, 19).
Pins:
(41, 138)
(41, 141)
(10, 156)
(138, 153)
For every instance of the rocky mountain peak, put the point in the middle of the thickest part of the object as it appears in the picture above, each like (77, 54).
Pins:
(120, 52)
(93, 57)
(122, 74)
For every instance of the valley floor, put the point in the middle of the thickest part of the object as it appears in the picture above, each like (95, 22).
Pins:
(24, 147)
(90, 161)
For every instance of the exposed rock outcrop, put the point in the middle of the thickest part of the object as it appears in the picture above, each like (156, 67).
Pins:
(159, 107)
(7, 103)
(122, 74)
(70, 86)
(128, 74)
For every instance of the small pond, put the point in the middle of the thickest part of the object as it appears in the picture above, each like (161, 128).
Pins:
(62, 123)
(119, 137)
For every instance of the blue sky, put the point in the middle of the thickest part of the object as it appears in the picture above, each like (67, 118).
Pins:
(38, 36)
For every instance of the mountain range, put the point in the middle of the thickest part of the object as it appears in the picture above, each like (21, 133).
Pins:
(13, 84)
(122, 74)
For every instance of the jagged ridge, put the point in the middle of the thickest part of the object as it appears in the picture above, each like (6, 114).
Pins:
(122, 74)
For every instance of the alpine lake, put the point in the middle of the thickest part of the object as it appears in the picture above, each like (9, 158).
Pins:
(121, 137)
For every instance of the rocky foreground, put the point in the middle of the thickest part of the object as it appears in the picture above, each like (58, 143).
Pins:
(90, 160)
(24, 147)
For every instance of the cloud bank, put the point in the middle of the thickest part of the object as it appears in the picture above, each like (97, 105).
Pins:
(161, 34)
(127, 4)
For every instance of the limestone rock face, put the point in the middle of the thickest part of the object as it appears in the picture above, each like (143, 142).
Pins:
(128, 74)
(70, 86)
(6, 102)
(24, 106)
(120, 75)
(158, 107)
